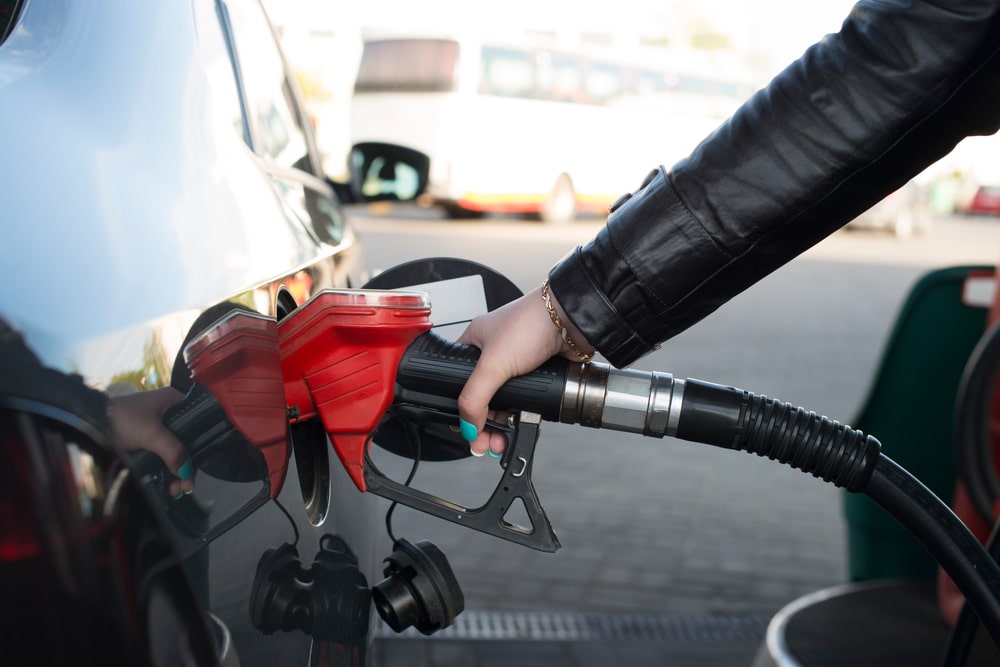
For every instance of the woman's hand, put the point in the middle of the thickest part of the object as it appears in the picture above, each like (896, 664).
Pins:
(137, 420)
(514, 339)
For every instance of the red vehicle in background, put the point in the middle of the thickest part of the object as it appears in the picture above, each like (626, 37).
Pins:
(984, 200)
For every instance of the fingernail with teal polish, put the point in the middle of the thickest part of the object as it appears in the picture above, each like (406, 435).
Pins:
(493, 454)
(179, 496)
(469, 432)
(185, 471)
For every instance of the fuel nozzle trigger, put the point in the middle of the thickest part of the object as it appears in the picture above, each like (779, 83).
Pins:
(492, 517)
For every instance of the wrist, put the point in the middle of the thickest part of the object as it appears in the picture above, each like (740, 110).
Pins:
(573, 342)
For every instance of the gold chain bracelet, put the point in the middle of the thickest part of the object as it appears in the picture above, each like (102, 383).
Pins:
(563, 333)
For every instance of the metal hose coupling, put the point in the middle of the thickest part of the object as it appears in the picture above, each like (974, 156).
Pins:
(632, 401)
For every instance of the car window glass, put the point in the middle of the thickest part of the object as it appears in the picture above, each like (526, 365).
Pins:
(218, 66)
(8, 17)
(274, 118)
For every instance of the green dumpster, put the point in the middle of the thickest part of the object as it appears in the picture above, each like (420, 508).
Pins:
(910, 408)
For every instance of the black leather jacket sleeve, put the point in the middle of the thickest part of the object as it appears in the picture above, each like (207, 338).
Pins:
(858, 115)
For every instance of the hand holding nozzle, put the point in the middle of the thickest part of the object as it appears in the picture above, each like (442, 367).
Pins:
(655, 405)
(520, 362)
(514, 340)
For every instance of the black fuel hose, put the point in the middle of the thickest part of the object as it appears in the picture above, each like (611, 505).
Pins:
(976, 466)
(963, 634)
(973, 440)
(657, 405)
(944, 536)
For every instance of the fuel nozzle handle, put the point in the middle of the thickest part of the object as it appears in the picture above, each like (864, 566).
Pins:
(435, 366)
(656, 404)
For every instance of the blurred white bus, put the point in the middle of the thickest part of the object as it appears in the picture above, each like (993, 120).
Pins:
(540, 131)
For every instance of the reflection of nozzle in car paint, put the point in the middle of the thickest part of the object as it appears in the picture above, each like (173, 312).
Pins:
(234, 420)
(330, 599)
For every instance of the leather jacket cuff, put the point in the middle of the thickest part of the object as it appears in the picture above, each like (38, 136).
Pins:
(599, 291)
(594, 314)
(617, 289)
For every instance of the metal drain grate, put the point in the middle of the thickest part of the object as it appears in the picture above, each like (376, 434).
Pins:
(570, 626)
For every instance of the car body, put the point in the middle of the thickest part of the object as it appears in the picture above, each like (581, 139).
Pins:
(972, 177)
(158, 169)
(978, 199)
(902, 213)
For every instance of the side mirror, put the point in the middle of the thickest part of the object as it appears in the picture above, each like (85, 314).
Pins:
(382, 172)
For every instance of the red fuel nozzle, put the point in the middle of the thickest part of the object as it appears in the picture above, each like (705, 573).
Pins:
(339, 353)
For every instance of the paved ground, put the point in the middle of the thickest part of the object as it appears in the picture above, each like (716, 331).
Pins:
(689, 548)
(680, 532)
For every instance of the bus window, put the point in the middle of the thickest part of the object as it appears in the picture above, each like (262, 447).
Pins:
(566, 79)
(652, 82)
(506, 73)
(697, 84)
(604, 83)
(411, 65)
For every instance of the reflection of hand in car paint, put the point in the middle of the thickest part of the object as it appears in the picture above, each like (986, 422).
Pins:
(137, 420)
